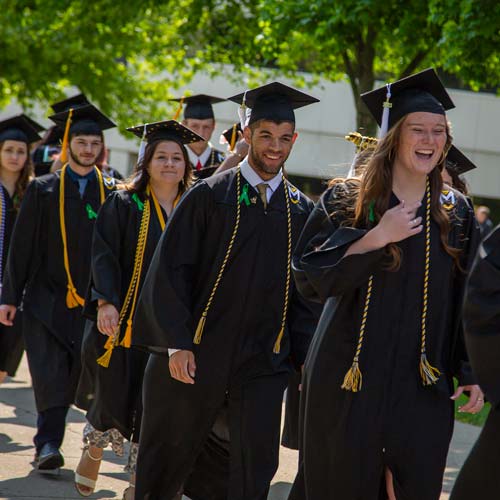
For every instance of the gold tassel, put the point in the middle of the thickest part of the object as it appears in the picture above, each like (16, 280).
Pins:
(233, 137)
(73, 299)
(277, 344)
(106, 357)
(63, 157)
(109, 342)
(199, 330)
(127, 338)
(179, 109)
(429, 374)
(353, 379)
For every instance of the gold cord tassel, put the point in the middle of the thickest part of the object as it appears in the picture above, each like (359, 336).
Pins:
(200, 328)
(277, 344)
(201, 324)
(234, 134)
(127, 338)
(353, 379)
(429, 374)
(73, 299)
(106, 357)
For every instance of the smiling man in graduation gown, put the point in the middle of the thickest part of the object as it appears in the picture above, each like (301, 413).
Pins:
(199, 117)
(49, 260)
(220, 300)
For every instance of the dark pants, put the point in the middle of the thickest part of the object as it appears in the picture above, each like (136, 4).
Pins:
(50, 424)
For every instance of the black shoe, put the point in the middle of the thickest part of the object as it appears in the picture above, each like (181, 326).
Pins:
(49, 457)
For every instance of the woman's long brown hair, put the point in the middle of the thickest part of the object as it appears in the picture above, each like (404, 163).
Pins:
(25, 177)
(139, 180)
(372, 192)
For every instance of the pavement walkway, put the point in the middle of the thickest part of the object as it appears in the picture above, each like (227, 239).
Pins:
(19, 481)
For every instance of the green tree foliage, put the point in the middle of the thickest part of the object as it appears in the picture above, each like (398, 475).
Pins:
(354, 39)
(123, 55)
(129, 55)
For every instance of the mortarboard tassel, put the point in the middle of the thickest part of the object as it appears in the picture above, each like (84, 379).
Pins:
(64, 148)
(179, 109)
(142, 146)
(384, 126)
(242, 112)
(234, 134)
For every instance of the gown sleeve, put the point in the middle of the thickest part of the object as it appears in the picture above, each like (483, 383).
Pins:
(22, 260)
(163, 319)
(320, 268)
(482, 316)
(107, 240)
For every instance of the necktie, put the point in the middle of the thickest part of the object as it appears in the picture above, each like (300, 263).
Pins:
(82, 184)
(198, 166)
(262, 189)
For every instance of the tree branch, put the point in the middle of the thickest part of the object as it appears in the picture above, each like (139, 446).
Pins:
(414, 63)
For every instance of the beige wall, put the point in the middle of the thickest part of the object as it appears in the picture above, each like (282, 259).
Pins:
(321, 151)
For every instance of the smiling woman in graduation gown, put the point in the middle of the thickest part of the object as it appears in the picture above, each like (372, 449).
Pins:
(378, 377)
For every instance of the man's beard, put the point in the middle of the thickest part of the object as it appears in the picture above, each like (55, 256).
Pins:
(79, 162)
(260, 165)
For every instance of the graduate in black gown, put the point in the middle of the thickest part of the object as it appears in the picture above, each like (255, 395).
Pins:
(16, 171)
(457, 164)
(126, 233)
(387, 254)
(480, 474)
(219, 298)
(49, 261)
(199, 117)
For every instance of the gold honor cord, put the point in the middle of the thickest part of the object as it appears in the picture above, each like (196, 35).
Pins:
(73, 299)
(353, 378)
(202, 321)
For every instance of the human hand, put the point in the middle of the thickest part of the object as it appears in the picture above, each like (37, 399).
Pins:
(241, 147)
(182, 366)
(7, 314)
(399, 223)
(107, 319)
(476, 398)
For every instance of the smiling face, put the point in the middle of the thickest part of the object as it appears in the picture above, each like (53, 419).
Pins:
(13, 155)
(421, 143)
(270, 145)
(167, 164)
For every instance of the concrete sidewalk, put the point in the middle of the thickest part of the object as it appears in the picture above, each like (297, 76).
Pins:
(19, 481)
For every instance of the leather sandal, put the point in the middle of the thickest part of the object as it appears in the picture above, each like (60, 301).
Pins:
(129, 492)
(83, 480)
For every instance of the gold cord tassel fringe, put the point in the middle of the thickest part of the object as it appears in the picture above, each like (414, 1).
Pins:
(277, 344)
(73, 299)
(127, 338)
(199, 329)
(429, 373)
(106, 357)
(353, 379)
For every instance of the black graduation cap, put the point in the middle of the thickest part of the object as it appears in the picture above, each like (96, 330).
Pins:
(274, 101)
(20, 128)
(422, 91)
(76, 101)
(458, 162)
(53, 135)
(86, 119)
(231, 135)
(166, 130)
(198, 106)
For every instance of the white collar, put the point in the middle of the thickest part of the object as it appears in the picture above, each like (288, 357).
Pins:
(254, 178)
(203, 158)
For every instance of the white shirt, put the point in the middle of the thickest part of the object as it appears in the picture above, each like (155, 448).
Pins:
(203, 158)
(253, 178)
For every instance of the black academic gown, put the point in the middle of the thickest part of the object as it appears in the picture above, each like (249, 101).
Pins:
(394, 421)
(236, 366)
(11, 337)
(52, 332)
(112, 395)
(210, 166)
(480, 475)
